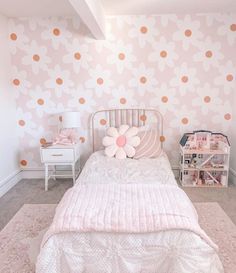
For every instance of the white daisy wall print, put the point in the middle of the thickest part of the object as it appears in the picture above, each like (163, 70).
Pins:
(182, 65)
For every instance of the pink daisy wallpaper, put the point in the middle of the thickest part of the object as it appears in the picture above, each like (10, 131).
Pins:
(184, 66)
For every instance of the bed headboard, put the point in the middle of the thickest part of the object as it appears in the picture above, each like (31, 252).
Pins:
(103, 119)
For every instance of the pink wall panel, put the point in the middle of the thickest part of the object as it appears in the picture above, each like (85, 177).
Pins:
(184, 66)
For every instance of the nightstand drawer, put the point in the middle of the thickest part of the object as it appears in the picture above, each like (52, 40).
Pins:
(58, 155)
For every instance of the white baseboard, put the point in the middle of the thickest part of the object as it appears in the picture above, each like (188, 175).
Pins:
(7, 183)
(232, 176)
(33, 173)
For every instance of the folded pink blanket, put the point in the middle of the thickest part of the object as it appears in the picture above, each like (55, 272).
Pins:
(129, 208)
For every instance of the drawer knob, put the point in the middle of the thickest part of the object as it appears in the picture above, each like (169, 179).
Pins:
(57, 155)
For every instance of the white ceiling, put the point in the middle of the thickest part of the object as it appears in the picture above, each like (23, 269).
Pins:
(167, 6)
(16, 8)
(22, 8)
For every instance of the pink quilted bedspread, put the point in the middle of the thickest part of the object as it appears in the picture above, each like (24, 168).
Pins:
(129, 208)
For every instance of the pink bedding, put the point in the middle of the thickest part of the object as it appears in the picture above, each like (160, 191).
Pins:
(135, 208)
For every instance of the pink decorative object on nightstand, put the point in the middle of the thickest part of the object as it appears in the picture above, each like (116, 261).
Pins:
(66, 137)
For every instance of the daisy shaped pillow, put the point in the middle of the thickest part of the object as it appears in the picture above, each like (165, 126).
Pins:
(121, 142)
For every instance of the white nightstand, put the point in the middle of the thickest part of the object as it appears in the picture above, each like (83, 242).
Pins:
(60, 155)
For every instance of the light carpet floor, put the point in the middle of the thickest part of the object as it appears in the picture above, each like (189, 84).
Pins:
(20, 239)
(31, 191)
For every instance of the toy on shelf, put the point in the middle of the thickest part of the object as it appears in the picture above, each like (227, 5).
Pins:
(204, 159)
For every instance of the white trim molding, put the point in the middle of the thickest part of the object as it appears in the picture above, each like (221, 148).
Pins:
(10, 181)
(232, 176)
(33, 173)
(92, 14)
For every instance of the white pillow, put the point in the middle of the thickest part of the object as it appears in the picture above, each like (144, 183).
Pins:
(121, 142)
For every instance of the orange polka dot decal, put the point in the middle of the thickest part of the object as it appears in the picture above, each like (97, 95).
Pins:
(82, 100)
(59, 81)
(233, 27)
(123, 100)
(143, 29)
(143, 79)
(121, 56)
(21, 122)
(209, 54)
(143, 118)
(36, 58)
(77, 56)
(164, 99)
(56, 31)
(40, 102)
(227, 116)
(162, 138)
(163, 54)
(100, 81)
(207, 99)
(82, 139)
(103, 122)
(229, 77)
(184, 121)
(188, 33)
(13, 36)
(184, 79)
(16, 82)
(23, 163)
(43, 141)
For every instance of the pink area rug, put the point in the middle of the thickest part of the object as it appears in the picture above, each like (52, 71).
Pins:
(20, 239)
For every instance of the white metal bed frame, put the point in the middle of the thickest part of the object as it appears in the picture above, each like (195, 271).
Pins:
(133, 117)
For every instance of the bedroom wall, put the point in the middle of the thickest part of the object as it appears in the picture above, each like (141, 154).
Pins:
(182, 65)
(9, 166)
(233, 145)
